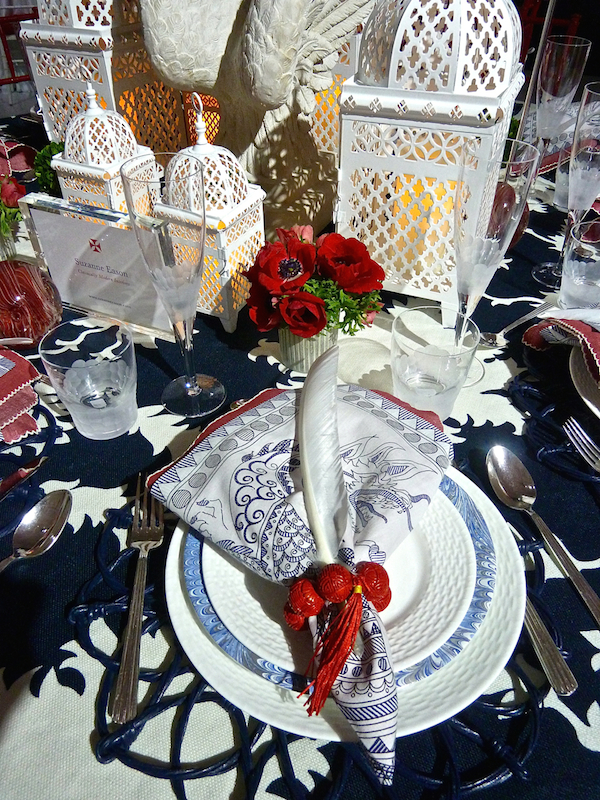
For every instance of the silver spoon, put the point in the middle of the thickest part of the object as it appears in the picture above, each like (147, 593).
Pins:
(514, 486)
(40, 527)
(499, 340)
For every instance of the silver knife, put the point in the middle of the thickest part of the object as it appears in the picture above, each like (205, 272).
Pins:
(21, 474)
(552, 660)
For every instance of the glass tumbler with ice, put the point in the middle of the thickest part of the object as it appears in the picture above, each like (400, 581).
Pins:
(91, 365)
(429, 367)
(580, 282)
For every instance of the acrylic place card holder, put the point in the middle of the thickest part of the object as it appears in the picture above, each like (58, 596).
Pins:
(93, 258)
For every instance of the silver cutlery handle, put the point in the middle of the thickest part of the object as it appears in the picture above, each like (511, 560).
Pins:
(555, 548)
(530, 315)
(559, 675)
(124, 706)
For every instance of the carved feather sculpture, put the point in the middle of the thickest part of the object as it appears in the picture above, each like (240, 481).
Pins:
(325, 496)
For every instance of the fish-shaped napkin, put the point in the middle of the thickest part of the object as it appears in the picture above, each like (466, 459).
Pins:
(17, 397)
(297, 479)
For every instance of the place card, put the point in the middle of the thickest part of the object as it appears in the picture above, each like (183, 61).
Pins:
(93, 258)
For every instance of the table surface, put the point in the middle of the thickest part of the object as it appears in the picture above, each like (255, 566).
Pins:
(61, 614)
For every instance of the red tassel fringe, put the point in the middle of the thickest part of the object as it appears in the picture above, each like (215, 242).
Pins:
(333, 649)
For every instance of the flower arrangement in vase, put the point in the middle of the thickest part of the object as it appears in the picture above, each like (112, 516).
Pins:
(307, 289)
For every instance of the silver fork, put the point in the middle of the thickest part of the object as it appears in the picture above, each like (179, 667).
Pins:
(499, 339)
(146, 533)
(585, 446)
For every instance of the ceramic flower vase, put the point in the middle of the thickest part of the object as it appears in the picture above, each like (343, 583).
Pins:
(298, 353)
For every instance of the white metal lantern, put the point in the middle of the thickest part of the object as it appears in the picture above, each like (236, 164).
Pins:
(97, 141)
(431, 74)
(235, 228)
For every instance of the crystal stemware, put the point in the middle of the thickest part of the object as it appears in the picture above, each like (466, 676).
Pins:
(165, 200)
(584, 177)
(561, 69)
(491, 194)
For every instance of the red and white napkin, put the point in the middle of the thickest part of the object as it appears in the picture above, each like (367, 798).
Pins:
(17, 397)
(583, 332)
(262, 482)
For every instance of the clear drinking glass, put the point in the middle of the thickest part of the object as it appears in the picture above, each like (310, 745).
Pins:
(491, 193)
(584, 177)
(165, 199)
(91, 366)
(580, 283)
(429, 367)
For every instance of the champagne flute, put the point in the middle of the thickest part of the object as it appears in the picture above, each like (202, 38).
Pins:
(562, 66)
(584, 177)
(491, 193)
(165, 200)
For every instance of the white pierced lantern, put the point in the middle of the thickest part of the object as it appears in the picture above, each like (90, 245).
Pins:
(235, 228)
(75, 43)
(431, 74)
(97, 141)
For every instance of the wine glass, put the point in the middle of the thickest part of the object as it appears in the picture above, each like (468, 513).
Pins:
(491, 193)
(584, 177)
(165, 199)
(561, 69)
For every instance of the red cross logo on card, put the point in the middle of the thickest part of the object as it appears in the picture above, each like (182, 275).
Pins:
(95, 246)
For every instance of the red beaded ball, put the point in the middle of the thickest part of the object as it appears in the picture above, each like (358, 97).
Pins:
(374, 580)
(295, 621)
(334, 583)
(382, 602)
(303, 598)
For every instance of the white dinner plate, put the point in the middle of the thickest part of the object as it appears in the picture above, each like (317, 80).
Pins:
(421, 703)
(432, 575)
(260, 640)
(585, 385)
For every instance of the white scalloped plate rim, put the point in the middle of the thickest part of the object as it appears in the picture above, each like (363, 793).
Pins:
(421, 703)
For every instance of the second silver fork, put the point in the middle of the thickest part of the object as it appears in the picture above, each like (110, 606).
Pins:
(583, 443)
(145, 534)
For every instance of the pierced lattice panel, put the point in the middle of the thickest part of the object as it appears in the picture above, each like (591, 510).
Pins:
(120, 71)
(65, 104)
(397, 196)
(88, 13)
(154, 112)
(325, 129)
(325, 117)
(102, 193)
(211, 114)
(210, 300)
(405, 222)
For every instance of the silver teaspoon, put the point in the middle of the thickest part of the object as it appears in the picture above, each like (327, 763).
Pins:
(514, 486)
(40, 527)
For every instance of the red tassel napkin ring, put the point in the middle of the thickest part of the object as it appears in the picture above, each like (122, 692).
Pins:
(335, 584)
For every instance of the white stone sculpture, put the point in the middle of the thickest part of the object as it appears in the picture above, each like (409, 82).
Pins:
(264, 61)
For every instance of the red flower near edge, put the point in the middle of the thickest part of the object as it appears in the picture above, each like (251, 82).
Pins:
(283, 268)
(304, 313)
(11, 191)
(348, 263)
(263, 308)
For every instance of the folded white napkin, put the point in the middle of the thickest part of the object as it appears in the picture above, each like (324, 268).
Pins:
(591, 316)
(240, 485)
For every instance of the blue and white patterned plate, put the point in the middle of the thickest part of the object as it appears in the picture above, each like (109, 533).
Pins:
(418, 669)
